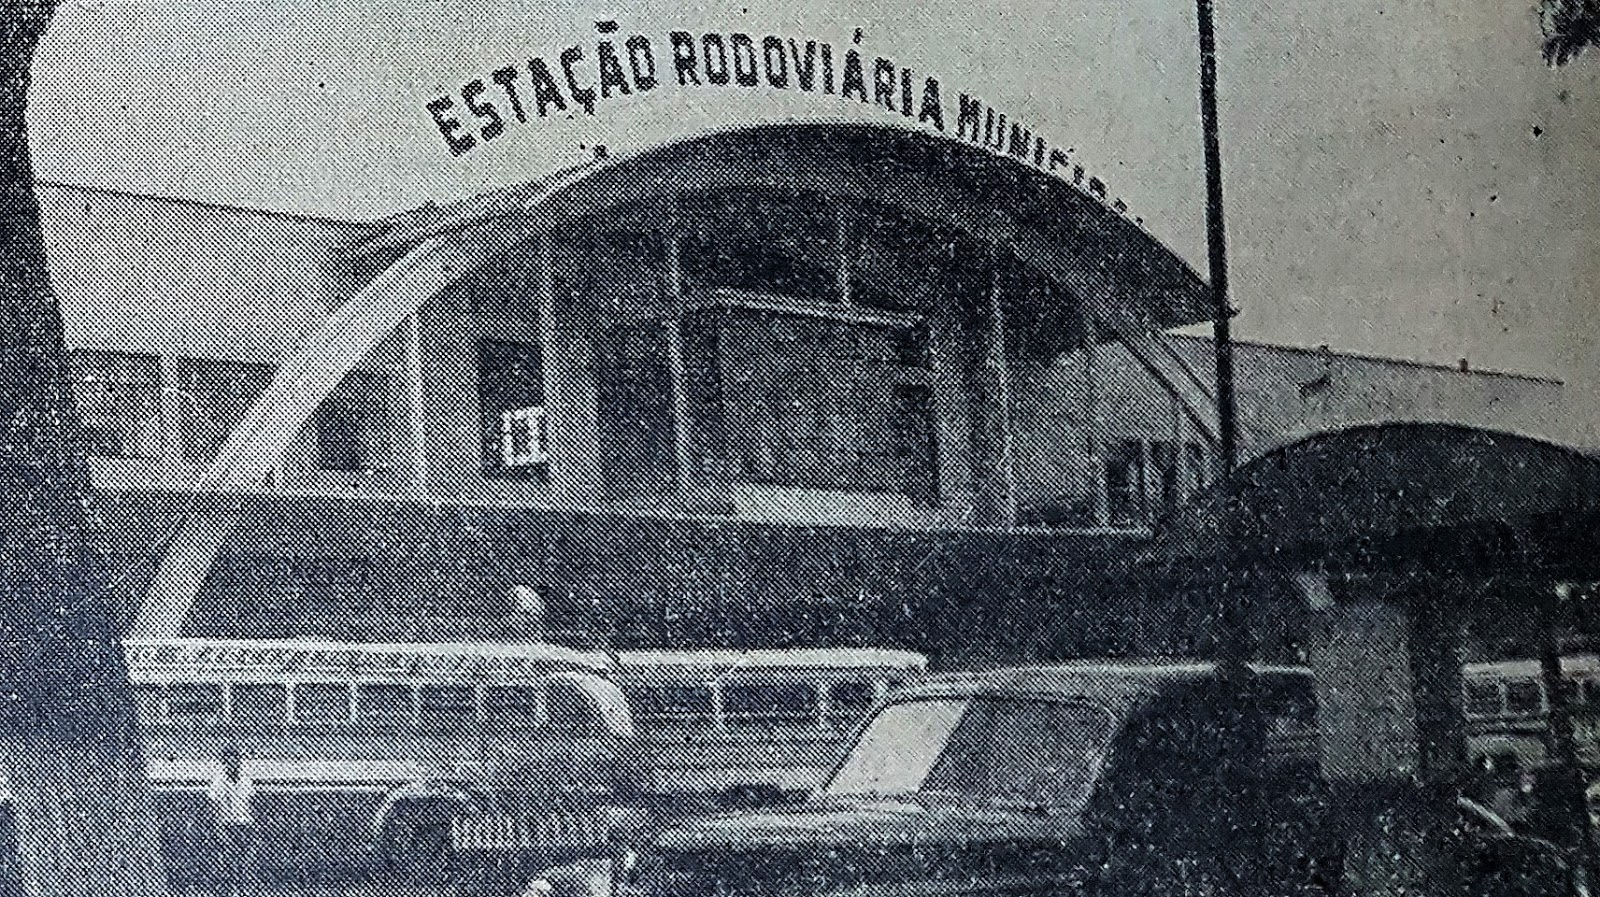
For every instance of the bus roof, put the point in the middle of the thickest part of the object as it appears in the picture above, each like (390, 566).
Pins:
(799, 658)
(282, 654)
(1571, 664)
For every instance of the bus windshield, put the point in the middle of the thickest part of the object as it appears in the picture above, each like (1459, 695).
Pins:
(1004, 752)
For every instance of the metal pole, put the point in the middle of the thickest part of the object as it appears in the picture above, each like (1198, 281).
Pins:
(1235, 637)
(1217, 245)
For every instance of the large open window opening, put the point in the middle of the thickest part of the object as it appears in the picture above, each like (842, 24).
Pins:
(513, 422)
(214, 395)
(353, 426)
(820, 402)
(119, 401)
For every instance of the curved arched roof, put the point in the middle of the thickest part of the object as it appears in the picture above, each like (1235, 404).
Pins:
(1425, 498)
(1065, 234)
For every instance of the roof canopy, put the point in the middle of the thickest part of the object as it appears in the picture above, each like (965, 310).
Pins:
(1051, 226)
(1401, 498)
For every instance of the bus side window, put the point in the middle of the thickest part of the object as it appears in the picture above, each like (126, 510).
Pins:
(1482, 697)
(445, 705)
(260, 704)
(790, 703)
(1524, 697)
(194, 703)
(321, 702)
(679, 706)
(147, 703)
(1586, 691)
(848, 702)
(514, 706)
(383, 702)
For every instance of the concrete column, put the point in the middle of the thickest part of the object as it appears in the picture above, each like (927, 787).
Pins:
(174, 411)
(1180, 456)
(1093, 440)
(416, 416)
(844, 253)
(570, 384)
(996, 499)
(1569, 791)
(1437, 642)
(1390, 739)
(1149, 492)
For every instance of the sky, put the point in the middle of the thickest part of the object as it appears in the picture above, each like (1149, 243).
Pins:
(1404, 179)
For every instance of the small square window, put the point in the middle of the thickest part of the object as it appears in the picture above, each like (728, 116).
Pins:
(1483, 697)
(446, 705)
(1524, 697)
(514, 706)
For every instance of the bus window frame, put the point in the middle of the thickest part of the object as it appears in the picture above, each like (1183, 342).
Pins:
(474, 716)
(191, 721)
(1542, 701)
(541, 714)
(296, 721)
(693, 721)
(835, 721)
(280, 719)
(1499, 685)
(808, 718)
(408, 719)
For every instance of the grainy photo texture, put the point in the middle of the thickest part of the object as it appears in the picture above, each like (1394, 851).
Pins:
(468, 448)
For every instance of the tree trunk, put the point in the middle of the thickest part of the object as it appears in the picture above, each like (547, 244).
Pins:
(82, 804)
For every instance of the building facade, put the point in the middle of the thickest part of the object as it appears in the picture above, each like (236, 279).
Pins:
(732, 391)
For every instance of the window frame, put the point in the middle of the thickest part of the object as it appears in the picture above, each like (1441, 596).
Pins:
(131, 373)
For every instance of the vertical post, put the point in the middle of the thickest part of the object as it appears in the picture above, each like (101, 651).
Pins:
(1091, 416)
(1148, 496)
(1573, 808)
(1235, 638)
(171, 407)
(553, 364)
(1436, 641)
(844, 249)
(677, 367)
(418, 441)
(1217, 245)
(996, 498)
(1180, 457)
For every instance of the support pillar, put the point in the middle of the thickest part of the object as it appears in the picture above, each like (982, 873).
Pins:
(996, 499)
(844, 254)
(1388, 678)
(1093, 440)
(416, 419)
(1568, 791)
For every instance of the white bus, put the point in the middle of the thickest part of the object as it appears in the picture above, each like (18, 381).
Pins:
(363, 750)
(715, 728)
(1507, 708)
(355, 747)
(716, 722)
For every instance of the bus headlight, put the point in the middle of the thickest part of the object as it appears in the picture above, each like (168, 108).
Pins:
(585, 878)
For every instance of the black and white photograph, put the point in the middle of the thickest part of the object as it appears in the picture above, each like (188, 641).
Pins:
(480, 448)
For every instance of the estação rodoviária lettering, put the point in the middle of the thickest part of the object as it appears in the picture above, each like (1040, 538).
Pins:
(579, 79)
